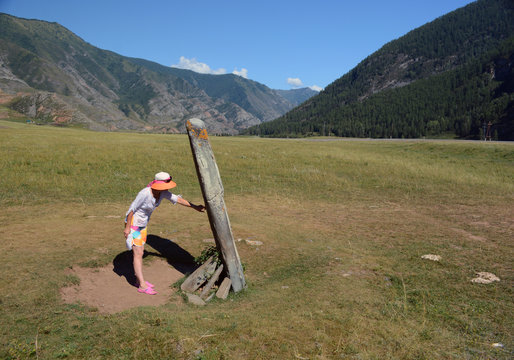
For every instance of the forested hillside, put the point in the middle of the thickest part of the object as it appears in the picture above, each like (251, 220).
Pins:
(448, 76)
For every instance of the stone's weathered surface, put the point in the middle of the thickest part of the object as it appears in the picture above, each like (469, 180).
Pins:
(224, 289)
(199, 276)
(212, 281)
(195, 299)
(212, 190)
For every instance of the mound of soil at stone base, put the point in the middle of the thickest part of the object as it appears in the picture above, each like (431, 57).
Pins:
(112, 288)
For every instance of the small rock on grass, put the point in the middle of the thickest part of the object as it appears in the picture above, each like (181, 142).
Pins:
(195, 299)
(431, 257)
(485, 278)
(254, 242)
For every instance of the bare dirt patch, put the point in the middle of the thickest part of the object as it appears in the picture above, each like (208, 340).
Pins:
(112, 289)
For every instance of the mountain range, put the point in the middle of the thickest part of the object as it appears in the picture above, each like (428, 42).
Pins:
(53, 76)
(452, 77)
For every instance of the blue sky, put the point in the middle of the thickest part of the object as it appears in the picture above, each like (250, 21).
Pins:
(281, 44)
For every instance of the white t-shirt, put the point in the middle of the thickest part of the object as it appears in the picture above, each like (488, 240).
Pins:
(144, 204)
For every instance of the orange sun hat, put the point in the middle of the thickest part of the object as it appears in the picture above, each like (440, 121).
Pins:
(162, 182)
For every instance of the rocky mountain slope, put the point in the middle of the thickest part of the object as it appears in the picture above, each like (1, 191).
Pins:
(50, 74)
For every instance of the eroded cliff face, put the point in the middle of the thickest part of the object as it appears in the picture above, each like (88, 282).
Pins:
(53, 77)
(403, 69)
(99, 109)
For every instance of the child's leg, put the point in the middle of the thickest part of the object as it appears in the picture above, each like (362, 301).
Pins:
(138, 265)
(138, 246)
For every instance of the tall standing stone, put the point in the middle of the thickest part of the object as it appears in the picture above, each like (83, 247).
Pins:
(212, 190)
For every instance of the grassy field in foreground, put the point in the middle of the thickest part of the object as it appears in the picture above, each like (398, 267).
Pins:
(339, 275)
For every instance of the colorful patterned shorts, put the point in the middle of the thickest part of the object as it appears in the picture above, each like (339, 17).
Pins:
(137, 236)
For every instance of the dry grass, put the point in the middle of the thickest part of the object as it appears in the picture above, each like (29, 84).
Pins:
(340, 275)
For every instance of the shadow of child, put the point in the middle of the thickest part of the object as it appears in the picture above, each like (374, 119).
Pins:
(177, 257)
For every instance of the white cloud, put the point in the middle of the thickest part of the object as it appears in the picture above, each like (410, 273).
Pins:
(242, 73)
(295, 82)
(199, 67)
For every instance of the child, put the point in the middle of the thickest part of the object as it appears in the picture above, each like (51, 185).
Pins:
(137, 218)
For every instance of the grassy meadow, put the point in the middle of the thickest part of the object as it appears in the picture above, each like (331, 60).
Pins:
(339, 275)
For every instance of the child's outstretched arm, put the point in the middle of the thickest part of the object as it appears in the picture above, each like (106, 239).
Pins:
(184, 202)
